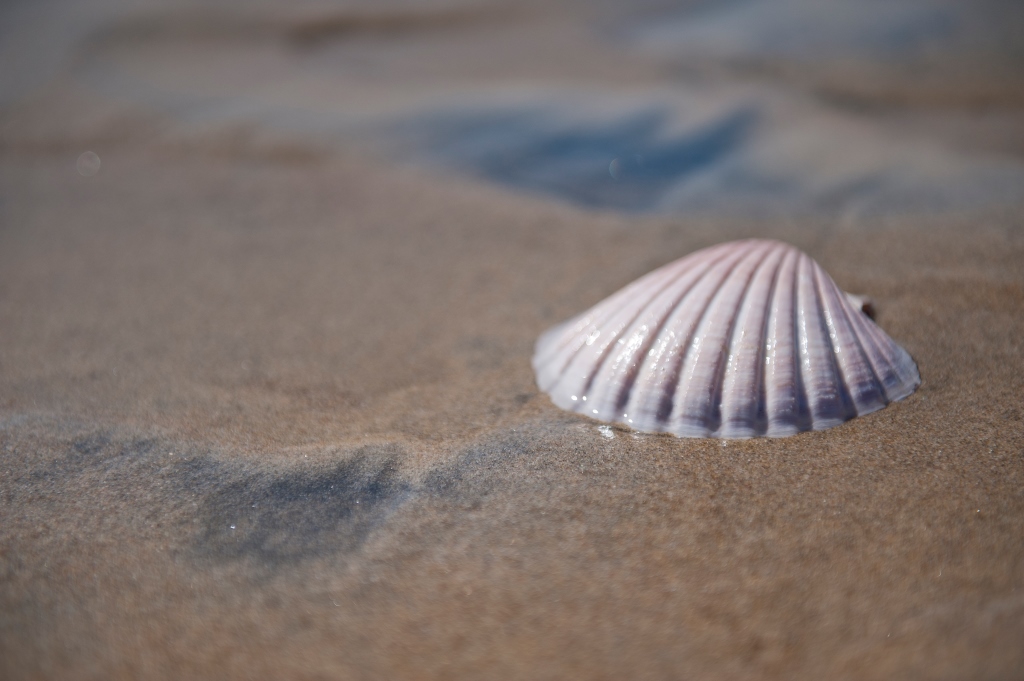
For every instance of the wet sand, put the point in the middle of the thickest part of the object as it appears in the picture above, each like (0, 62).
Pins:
(267, 411)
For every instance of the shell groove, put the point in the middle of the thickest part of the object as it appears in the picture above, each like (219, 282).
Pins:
(739, 340)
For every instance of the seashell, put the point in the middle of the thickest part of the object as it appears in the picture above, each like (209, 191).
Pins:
(742, 339)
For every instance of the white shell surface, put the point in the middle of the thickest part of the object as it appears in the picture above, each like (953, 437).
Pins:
(739, 340)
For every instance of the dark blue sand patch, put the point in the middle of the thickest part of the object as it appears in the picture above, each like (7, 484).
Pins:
(628, 165)
(302, 514)
(269, 517)
(272, 516)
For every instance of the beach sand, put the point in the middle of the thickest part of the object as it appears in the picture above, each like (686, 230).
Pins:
(267, 411)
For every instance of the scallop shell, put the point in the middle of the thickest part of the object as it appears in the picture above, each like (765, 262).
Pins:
(742, 339)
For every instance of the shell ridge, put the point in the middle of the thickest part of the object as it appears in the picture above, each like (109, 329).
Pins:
(762, 407)
(877, 355)
(915, 374)
(688, 359)
(804, 418)
(908, 378)
(820, 377)
(574, 332)
(831, 335)
(785, 400)
(715, 421)
(650, 402)
(904, 369)
(631, 375)
(575, 335)
(850, 314)
(599, 313)
(606, 350)
(759, 423)
(907, 369)
(666, 403)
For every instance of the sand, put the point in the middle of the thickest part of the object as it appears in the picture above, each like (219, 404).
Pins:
(267, 411)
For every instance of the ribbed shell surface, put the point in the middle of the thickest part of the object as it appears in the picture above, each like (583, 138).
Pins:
(742, 339)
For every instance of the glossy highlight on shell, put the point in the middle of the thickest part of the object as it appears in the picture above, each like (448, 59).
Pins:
(739, 340)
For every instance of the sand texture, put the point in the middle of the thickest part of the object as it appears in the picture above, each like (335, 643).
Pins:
(266, 403)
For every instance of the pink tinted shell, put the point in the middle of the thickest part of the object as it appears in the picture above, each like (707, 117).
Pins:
(743, 339)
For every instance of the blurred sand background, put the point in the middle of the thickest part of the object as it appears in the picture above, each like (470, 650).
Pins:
(266, 404)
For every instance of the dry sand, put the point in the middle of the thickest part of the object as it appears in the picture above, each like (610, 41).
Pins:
(266, 411)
